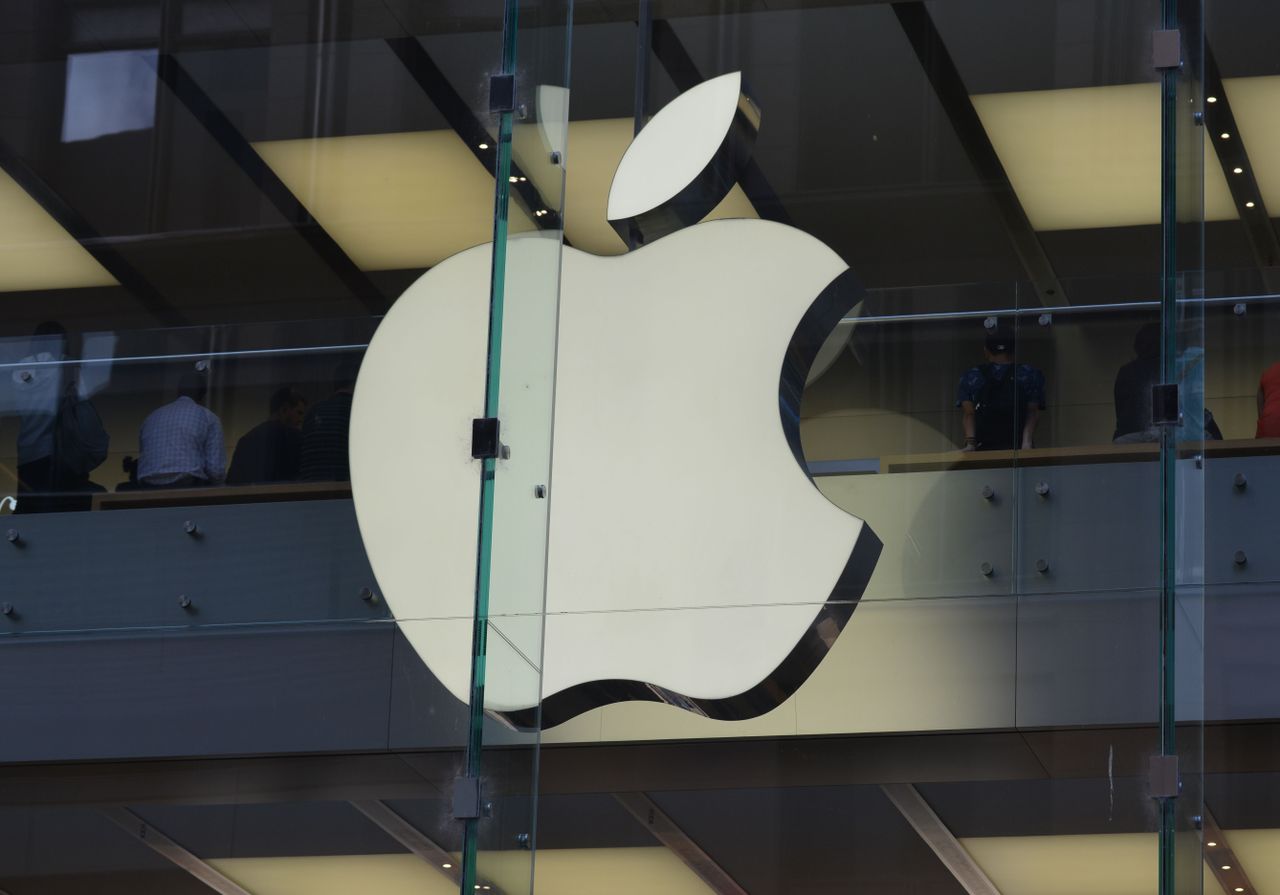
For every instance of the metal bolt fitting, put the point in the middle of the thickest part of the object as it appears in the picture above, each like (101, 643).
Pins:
(539, 490)
(555, 158)
(366, 594)
(13, 536)
(988, 493)
(184, 601)
(1042, 488)
(6, 609)
(1240, 481)
(1042, 566)
(987, 569)
(522, 840)
(191, 528)
(1045, 319)
(1240, 558)
(1239, 308)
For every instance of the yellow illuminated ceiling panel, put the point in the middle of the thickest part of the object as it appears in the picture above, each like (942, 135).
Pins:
(1258, 852)
(1108, 864)
(585, 871)
(392, 200)
(35, 252)
(407, 200)
(1254, 103)
(1089, 157)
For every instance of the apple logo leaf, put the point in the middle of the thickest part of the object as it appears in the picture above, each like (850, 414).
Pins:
(689, 557)
(684, 161)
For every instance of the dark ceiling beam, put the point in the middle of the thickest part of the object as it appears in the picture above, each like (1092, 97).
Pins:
(418, 843)
(679, 843)
(684, 73)
(1223, 862)
(949, 87)
(471, 129)
(202, 107)
(1234, 159)
(180, 857)
(941, 841)
(102, 249)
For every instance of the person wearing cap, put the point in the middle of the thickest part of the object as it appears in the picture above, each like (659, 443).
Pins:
(1001, 401)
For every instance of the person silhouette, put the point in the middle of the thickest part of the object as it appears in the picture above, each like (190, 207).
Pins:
(326, 429)
(181, 444)
(60, 436)
(1001, 401)
(272, 450)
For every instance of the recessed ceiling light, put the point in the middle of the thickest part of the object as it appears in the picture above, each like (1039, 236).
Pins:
(1239, 888)
(1248, 205)
(484, 145)
(1211, 99)
(1211, 844)
(1226, 866)
(523, 179)
(446, 866)
(1235, 171)
(514, 179)
(1225, 135)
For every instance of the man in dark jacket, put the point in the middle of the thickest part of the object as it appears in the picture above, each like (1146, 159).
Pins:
(272, 450)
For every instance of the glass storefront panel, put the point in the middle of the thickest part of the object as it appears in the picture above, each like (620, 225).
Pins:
(827, 462)
(1240, 340)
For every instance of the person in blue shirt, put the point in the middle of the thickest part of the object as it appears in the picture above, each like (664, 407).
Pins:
(181, 444)
(1001, 401)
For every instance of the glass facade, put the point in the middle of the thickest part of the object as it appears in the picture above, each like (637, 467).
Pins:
(741, 446)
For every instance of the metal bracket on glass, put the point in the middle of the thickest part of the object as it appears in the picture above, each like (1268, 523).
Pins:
(1166, 49)
(1164, 405)
(466, 798)
(502, 94)
(1162, 777)
(484, 438)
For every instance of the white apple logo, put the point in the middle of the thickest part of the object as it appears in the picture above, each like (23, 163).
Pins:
(689, 559)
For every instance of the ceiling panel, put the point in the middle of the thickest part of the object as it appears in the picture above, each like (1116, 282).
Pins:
(1089, 157)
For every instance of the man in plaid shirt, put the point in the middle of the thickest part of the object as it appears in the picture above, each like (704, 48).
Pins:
(181, 443)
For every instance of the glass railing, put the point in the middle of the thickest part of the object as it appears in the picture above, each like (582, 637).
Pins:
(1047, 554)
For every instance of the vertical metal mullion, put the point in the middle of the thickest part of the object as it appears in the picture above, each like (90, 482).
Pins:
(644, 45)
(1167, 878)
(497, 279)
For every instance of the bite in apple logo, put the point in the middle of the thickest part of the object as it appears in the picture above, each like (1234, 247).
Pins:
(689, 558)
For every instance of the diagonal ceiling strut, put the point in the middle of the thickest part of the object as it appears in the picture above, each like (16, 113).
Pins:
(916, 811)
(467, 125)
(102, 249)
(1236, 168)
(666, 831)
(149, 836)
(949, 87)
(413, 839)
(234, 144)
